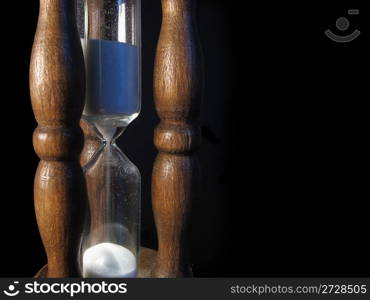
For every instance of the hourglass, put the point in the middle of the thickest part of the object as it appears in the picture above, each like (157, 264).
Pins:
(110, 35)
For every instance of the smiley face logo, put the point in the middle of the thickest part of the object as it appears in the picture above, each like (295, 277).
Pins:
(12, 291)
(342, 24)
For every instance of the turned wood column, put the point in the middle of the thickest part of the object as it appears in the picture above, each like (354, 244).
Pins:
(96, 186)
(177, 94)
(57, 85)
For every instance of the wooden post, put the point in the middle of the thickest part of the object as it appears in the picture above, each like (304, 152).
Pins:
(177, 94)
(57, 84)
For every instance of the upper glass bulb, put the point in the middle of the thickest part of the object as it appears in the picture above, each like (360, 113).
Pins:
(110, 35)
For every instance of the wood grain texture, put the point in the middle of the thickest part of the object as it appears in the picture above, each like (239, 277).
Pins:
(92, 143)
(57, 86)
(96, 191)
(177, 94)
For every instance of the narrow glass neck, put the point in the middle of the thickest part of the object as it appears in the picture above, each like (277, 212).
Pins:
(108, 135)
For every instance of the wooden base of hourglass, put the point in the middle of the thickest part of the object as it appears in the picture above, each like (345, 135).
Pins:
(147, 259)
(146, 265)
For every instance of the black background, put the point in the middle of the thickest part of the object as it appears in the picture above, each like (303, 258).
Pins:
(283, 157)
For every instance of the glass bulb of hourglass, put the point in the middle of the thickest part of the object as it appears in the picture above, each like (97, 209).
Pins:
(111, 241)
(110, 36)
